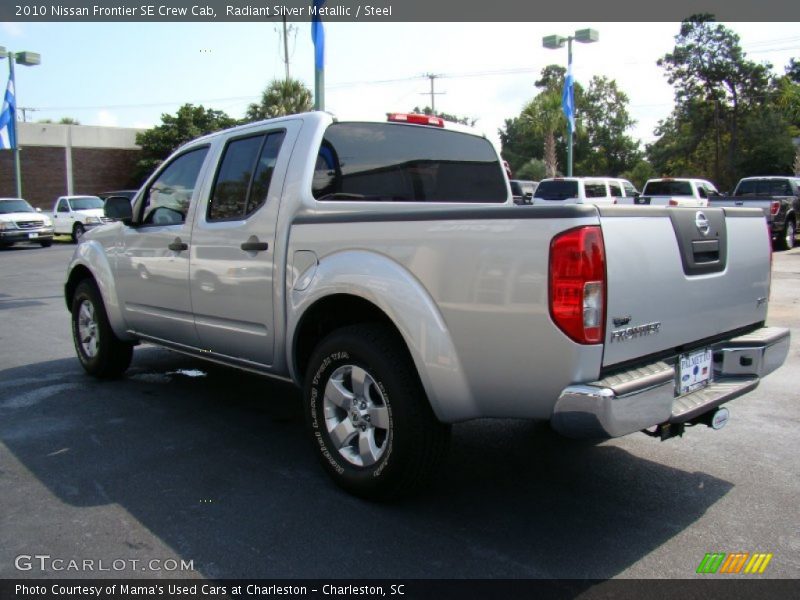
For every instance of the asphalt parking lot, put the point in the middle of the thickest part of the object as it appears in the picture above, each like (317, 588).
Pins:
(186, 461)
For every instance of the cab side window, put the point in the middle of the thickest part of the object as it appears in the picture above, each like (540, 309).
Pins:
(63, 205)
(167, 199)
(701, 191)
(244, 175)
(616, 190)
(596, 190)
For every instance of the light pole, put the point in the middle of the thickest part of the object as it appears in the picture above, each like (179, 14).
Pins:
(28, 59)
(552, 42)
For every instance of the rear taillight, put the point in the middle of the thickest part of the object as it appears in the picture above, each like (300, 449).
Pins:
(578, 284)
(774, 208)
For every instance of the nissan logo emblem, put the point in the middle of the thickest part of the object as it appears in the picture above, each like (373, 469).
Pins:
(701, 222)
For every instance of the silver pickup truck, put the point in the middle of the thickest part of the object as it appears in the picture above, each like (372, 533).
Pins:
(383, 268)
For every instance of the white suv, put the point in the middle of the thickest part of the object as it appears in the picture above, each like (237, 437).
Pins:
(675, 191)
(583, 190)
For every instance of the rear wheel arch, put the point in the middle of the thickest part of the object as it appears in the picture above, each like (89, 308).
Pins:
(329, 314)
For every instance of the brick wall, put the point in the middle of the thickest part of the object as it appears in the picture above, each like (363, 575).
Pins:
(44, 172)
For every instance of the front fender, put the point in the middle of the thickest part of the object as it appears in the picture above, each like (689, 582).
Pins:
(395, 291)
(92, 256)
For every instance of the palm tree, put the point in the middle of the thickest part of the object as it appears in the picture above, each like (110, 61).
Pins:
(543, 115)
(281, 97)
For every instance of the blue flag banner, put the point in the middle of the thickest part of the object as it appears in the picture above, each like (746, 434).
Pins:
(7, 116)
(568, 99)
(318, 36)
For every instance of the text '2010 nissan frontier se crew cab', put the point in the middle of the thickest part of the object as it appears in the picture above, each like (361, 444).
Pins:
(384, 269)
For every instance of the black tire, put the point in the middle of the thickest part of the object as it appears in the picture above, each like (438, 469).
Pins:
(411, 442)
(789, 231)
(100, 352)
(77, 232)
(46, 243)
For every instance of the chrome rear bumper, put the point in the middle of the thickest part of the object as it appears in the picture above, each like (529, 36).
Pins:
(644, 397)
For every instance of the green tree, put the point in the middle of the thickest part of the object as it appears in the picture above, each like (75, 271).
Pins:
(543, 116)
(534, 169)
(602, 145)
(639, 174)
(188, 123)
(608, 149)
(793, 70)
(769, 150)
(281, 97)
(519, 143)
(716, 89)
(61, 121)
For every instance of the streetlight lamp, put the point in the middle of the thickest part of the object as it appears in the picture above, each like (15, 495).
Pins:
(553, 42)
(28, 59)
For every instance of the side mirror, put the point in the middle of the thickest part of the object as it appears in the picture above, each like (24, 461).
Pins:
(38, 209)
(636, 194)
(119, 208)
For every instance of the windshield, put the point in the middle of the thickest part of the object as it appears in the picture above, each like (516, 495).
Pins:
(557, 190)
(15, 206)
(667, 188)
(86, 202)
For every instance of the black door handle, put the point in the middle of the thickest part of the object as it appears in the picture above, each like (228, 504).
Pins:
(178, 245)
(254, 246)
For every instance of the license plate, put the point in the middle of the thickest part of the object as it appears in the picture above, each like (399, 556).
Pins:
(32, 236)
(694, 371)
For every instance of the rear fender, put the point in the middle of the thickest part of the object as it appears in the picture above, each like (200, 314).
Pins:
(401, 297)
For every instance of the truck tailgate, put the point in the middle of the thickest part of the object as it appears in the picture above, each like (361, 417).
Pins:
(679, 276)
(765, 204)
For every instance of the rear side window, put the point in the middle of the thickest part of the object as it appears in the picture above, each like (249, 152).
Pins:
(557, 190)
(595, 190)
(667, 188)
(385, 162)
(244, 176)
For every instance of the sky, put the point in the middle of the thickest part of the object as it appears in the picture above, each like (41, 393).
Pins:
(129, 74)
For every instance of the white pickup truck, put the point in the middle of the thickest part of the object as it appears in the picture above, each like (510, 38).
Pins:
(383, 268)
(74, 215)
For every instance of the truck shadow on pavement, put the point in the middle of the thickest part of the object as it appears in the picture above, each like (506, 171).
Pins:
(216, 464)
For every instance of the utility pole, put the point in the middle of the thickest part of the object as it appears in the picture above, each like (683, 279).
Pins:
(286, 46)
(433, 93)
(25, 112)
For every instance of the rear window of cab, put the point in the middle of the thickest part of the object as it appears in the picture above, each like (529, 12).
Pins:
(386, 162)
(557, 190)
(667, 188)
